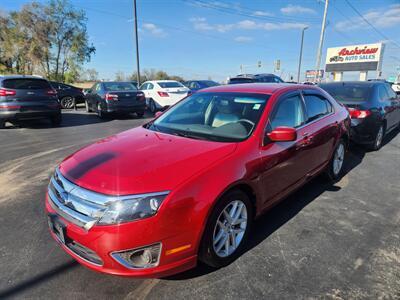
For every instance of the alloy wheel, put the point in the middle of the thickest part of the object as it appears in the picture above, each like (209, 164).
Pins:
(230, 228)
(87, 106)
(338, 159)
(152, 106)
(67, 102)
(379, 138)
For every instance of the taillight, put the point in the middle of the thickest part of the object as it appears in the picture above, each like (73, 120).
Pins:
(51, 92)
(358, 114)
(109, 96)
(10, 106)
(140, 96)
(163, 94)
(6, 92)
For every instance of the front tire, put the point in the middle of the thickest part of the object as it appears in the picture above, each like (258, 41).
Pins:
(335, 167)
(2, 124)
(87, 107)
(227, 230)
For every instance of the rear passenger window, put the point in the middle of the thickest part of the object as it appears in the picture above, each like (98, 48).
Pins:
(289, 112)
(26, 84)
(316, 107)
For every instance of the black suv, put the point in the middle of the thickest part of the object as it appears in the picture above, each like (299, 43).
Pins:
(27, 97)
(67, 94)
(249, 78)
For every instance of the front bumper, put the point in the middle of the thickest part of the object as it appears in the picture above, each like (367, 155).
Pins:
(104, 240)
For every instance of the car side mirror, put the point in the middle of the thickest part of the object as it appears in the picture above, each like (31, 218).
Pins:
(282, 134)
(158, 113)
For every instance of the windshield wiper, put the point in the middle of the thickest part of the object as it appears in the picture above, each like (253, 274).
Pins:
(186, 135)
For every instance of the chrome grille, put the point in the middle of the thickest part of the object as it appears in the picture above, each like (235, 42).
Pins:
(73, 203)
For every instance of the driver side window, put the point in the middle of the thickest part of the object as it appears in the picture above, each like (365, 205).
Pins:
(289, 112)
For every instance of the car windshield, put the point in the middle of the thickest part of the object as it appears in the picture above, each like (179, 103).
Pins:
(348, 93)
(170, 84)
(119, 86)
(221, 117)
(240, 80)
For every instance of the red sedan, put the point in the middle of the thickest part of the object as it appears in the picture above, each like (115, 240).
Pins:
(153, 200)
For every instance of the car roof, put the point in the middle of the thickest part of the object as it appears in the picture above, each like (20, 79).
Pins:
(161, 81)
(346, 83)
(254, 75)
(257, 88)
(3, 77)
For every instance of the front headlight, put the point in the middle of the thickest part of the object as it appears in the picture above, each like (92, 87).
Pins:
(129, 209)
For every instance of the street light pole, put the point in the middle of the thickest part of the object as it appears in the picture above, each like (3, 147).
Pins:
(301, 53)
(137, 43)
(321, 42)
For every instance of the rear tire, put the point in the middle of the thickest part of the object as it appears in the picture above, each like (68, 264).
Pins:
(227, 230)
(377, 144)
(102, 115)
(152, 106)
(87, 107)
(2, 124)
(67, 102)
(56, 121)
(335, 167)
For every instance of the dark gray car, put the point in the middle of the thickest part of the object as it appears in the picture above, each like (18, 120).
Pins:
(27, 97)
(106, 98)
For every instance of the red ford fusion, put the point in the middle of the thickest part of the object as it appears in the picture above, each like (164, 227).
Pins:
(153, 200)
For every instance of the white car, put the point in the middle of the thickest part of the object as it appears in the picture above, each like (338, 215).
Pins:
(161, 94)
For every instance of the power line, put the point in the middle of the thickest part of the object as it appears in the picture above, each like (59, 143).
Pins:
(169, 26)
(248, 14)
(372, 26)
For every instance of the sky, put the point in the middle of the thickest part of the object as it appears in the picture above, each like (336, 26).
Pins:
(201, 39)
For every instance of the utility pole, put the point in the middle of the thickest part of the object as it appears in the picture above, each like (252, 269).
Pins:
(137, 43)
(301, 53)
(321, 42)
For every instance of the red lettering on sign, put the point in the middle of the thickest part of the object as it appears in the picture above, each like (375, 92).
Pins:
(357, 51)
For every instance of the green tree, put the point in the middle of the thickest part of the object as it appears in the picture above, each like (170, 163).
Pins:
(47, 39)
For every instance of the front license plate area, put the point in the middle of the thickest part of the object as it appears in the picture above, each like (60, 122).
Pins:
(58, 228)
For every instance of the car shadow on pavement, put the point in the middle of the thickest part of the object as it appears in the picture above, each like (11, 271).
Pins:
(30, 283)
(284, 211)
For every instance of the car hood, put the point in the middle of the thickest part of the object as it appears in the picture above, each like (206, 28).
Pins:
(141, 161)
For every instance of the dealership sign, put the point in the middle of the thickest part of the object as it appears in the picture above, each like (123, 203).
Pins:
(354, 58)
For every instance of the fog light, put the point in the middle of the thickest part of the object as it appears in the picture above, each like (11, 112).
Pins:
(141, 258)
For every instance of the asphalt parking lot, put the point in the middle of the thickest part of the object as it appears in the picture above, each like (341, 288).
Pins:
(323, 242)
